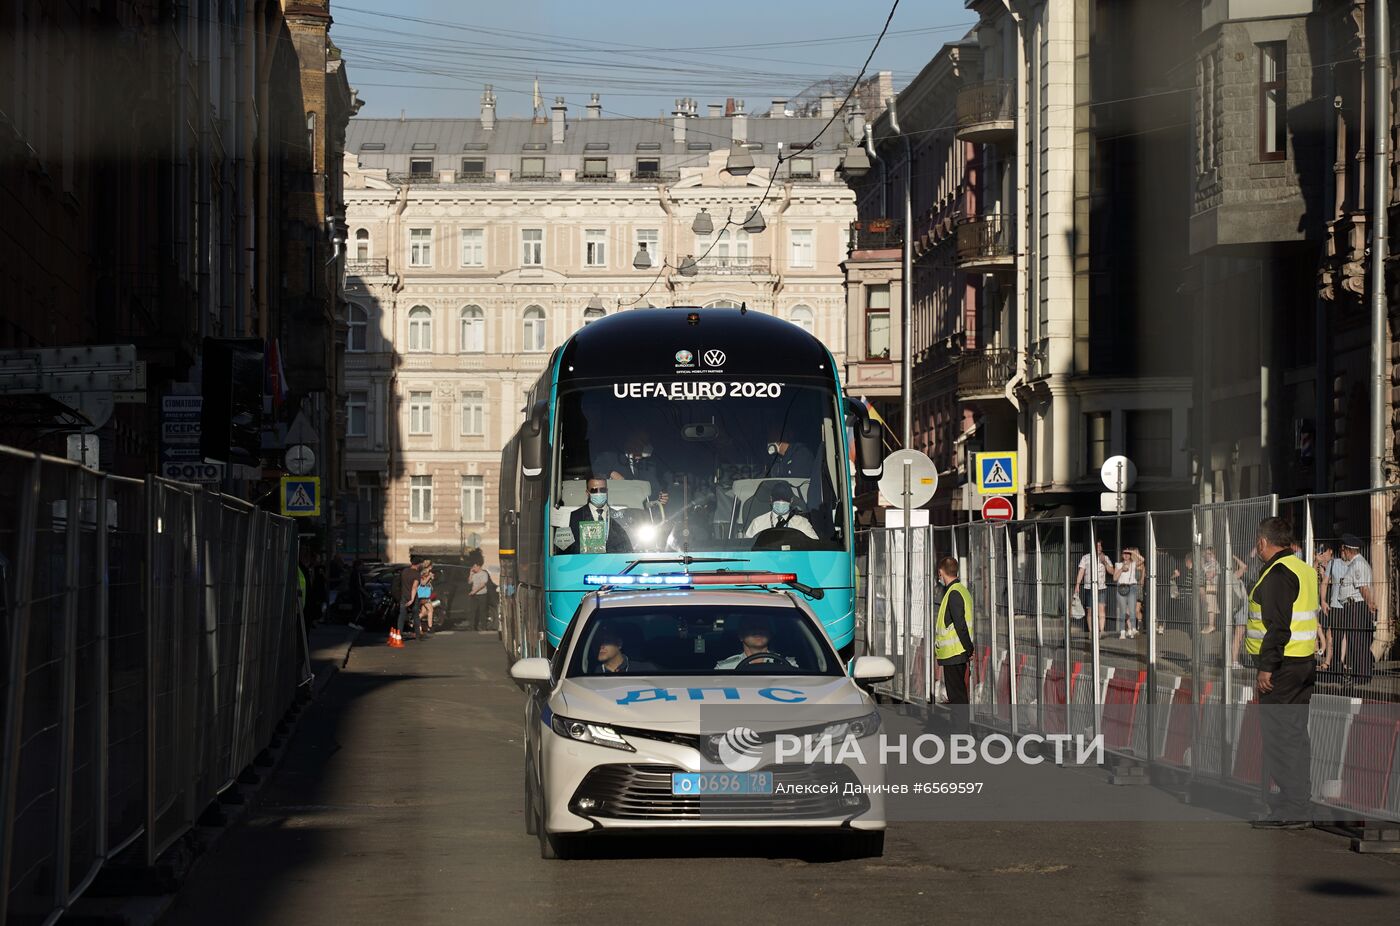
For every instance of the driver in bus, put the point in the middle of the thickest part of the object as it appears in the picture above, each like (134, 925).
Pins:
(754, 634)
(780, 514)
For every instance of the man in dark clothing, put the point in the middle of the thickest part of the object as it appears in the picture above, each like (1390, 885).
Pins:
(609, 535)
(1281, 638)
(788, 459)
(953, 640)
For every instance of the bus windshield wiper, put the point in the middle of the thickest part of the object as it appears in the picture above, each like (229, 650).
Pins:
(683, 560)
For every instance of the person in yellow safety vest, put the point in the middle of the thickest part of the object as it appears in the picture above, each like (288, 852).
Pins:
(1280, 639)
(952, 643)
(301, 589)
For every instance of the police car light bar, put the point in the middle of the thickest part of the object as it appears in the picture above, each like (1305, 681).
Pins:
(694, 578)
(662, 579)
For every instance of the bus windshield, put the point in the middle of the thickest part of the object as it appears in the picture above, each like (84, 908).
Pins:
(699, 466)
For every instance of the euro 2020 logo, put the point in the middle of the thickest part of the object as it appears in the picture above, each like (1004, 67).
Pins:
(684, 358)
(740, 749)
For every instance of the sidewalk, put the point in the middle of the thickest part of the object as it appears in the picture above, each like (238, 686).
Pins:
(329, 647)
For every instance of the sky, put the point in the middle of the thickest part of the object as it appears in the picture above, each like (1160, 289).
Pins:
(432, 57)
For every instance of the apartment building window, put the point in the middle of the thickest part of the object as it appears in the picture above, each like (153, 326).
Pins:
(362, 244)
(473, 167)
(420, 329)
(801, 168)
(595, 247)
(648, 167)
(473, 247)
(532, 247)
(595, 167)
(532, 167)
(473, 499)
(1273, 101)
(357, 329)
(803, 247)
(1096, 430)
(803, 317)
(420, 167)
(420, 247)
(473, 321)
(1150, 441)
(420, 498)
(420, 413)
(473, 414)
(650, 239)
(877, 322)
(730, 247)
(534, 329)
(356, 414)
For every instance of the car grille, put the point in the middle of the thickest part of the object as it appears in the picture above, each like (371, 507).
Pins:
(643, 792)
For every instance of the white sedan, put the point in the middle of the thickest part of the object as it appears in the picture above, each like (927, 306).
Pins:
(684, 709)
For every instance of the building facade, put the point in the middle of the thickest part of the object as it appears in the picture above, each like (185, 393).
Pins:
(477, 246)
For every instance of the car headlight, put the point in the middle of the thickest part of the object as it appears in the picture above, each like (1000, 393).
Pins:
(595, 733)
(859, 727)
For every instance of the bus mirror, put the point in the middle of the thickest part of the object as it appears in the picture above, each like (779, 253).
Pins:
(868, 448)
(532, 445)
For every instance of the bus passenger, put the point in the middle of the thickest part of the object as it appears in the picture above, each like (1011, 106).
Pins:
(781, 514)
(595, 526)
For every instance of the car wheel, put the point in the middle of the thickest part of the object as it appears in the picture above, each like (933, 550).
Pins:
(865, 844)
(531, 820)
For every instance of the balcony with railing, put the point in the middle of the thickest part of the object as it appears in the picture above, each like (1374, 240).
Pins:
(986, 112)
(656, 176)
(416, 176)
(532, 176)
(983, 374)
(984, 244)
(374, 266)
(476, 176)
(876, 235)
(733, 266)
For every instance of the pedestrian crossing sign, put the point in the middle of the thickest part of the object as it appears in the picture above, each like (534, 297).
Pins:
(996, 473)
(301, 496)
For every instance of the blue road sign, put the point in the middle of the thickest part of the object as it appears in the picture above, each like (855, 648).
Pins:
(301, 496)
(997, 473)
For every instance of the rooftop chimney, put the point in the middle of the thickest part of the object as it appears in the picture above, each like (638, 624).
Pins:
(488, 109)
(729, 106)
(716, 110)
(595, 107)
(557, 112)
(858, 124)
(738, 121)
(779, 109)
(678, 123)
(828, 102)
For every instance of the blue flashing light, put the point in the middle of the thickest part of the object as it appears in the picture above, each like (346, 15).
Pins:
(638, 580)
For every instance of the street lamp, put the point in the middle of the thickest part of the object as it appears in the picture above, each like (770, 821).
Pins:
(643, 260)
(596, 303)
(755, 224)
(688, 267)
(856, 163)
(702, 224)
(740, 162)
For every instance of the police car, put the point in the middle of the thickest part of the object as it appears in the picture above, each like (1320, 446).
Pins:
(674, 702)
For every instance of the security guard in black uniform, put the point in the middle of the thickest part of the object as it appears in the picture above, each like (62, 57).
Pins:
(1281, 638)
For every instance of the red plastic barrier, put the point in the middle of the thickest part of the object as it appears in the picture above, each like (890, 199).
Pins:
(1120, 709)
(1371, 746)
(1249, 751)
(1053, 696)
(1003, 706)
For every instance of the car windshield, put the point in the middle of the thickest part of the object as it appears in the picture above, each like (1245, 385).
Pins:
(663, 638)
(704, 466)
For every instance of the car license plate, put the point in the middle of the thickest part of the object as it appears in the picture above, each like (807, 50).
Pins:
(703, 783)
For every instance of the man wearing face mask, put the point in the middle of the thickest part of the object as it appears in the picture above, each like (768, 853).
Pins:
(636, 462)
(781, 514)
(787, 459)
(595, 526)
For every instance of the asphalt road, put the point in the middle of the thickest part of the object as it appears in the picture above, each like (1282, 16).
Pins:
(400, 801)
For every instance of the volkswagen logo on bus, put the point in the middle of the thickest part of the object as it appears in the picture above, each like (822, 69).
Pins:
(684, 358)
(714, 358)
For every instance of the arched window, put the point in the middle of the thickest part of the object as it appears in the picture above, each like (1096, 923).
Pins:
(357, 337)
(362, 244)
(722, 304)
(803, 317)
(473, 329)
(420, 328)
(592, 315)
(534, 329)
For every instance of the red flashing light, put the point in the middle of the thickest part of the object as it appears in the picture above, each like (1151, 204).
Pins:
(742, 578)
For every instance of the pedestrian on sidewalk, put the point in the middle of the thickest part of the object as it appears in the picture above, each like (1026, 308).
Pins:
(408, 604)
(424, 610)
(1096, 567)
(952, 643)
(1281, 638)
(479, 585)
(1128, 579)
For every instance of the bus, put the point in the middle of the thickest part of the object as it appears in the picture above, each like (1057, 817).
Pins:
(725, 443)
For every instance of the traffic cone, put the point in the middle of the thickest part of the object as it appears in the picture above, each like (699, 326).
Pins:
(395, 640)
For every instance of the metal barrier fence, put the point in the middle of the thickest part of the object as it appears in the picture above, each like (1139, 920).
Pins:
(151, 644)
(1132, 627)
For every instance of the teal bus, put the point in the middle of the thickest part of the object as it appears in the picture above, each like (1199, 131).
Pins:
(722, 438)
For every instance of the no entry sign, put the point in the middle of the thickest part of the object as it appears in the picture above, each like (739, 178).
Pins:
(997, 508)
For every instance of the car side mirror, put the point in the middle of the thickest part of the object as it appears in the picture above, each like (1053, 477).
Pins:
(533, 672)
(871, 669)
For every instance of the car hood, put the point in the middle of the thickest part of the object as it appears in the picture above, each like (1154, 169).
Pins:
(677, 702)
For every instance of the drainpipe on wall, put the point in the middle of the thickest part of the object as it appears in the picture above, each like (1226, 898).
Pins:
(1380, 202)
